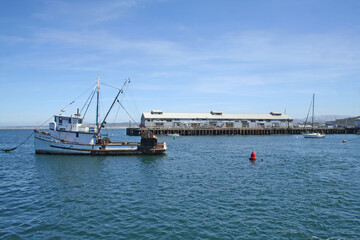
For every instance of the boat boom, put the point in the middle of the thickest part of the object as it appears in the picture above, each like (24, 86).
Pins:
(112, 105)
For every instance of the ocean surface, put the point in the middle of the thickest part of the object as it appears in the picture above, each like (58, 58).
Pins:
(204, 187)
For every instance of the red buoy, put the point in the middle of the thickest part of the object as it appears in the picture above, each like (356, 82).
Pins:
(253, 156)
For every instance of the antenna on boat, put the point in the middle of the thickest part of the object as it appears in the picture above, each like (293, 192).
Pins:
(97, 100)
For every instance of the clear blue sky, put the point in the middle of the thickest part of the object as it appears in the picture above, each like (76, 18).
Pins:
(234, 56)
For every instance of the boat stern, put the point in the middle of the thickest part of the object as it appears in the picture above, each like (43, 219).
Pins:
(150, 145)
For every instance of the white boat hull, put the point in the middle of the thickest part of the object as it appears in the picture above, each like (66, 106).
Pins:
(46, 144)
(313, 135)
(173, 135)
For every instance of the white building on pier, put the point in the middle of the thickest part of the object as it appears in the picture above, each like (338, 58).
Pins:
(357, 123)
(158, 118)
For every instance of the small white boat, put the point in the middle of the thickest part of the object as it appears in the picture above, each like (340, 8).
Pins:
(68, 135)
(313, 135)
(173, 135)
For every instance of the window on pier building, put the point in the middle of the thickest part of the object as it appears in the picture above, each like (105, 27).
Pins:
(244, 124)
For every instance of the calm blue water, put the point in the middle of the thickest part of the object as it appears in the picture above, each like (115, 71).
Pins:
(203, 188)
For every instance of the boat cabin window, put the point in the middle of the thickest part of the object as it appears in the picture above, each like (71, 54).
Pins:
(75, 120)
(64, 119)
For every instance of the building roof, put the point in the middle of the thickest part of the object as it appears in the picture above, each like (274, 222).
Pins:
(233, 116)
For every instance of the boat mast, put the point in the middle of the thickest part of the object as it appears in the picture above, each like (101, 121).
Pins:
(312, 123)
(97, 101)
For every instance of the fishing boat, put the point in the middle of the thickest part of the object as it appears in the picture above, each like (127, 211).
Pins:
(313, 134)
(68, 135)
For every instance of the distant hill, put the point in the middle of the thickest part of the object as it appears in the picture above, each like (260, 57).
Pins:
(322, 118)
(121, 124)
(108, 125)
(23, 127)
(350, 122)
(114, 125)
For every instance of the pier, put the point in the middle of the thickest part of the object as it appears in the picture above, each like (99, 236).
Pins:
(201, 131)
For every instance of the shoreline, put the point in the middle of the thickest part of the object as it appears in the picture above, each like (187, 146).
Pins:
(34, 127)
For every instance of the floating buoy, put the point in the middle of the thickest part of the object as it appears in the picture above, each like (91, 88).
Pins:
(253, 156)
(344, 140)
(262, 159)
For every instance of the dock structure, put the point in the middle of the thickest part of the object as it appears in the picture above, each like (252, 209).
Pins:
(215, 119)
(201, 131)
(218, 123)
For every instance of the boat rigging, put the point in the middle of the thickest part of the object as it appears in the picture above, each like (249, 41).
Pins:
(68, 134)
(312, 134)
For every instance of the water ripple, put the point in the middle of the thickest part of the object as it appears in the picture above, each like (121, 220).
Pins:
(203, 188)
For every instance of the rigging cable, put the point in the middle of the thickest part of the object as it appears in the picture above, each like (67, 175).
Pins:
(133, 108)
(137, 112)
(308, 115)
(109, 86)
(111, 131)
(127, 112)
(78, 97)
(90, 97)
(11, 149)
(93, 94)
(131, 104)
(103, 114)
